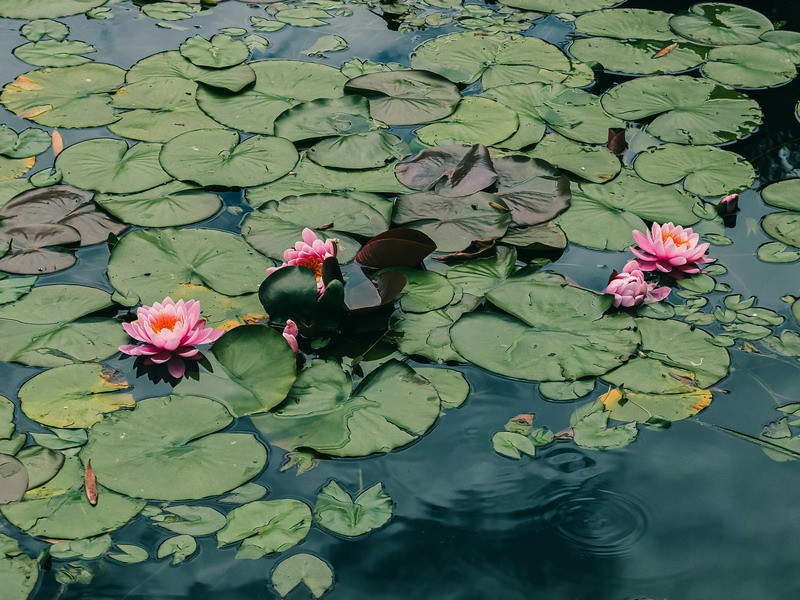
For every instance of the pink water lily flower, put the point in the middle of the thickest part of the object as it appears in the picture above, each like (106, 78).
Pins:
(310, 253)
(290, 333)
(170, 331)
(670, 249)
(631, 289)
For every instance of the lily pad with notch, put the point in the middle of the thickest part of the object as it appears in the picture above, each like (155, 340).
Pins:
(637, 57)
(407, 97)
(27, 143)
(749, 66)
(168, 447)
(46, 9)
(266, 527)
(54, 53)
(325, 117)
(475, 121)
(720, 24)
(593, 163)
(626, 24)
(367, 150)
(220, 52)
(449, 171)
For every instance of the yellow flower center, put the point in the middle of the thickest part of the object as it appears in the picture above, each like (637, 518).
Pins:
(163, 321)
(678, 240)
(314, 264)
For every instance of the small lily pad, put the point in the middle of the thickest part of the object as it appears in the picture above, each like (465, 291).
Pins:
(266, 527)
(337, 511)
(219, 52)
(314, 572)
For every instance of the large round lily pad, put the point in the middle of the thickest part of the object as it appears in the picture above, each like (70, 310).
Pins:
(561, 6)
(783, 194)
(174, 203)
(720, 24)
(406, 97)
(266, 527)
(464, 57)
(217, 53)
(705, 170)
(367, 150)
(66, 96)
(324, 117)
(749, 66)
(59, 509)
(603, 216)
(784, 227)
(149, 263)
(18, 571)
(557, 333)
(637, 57)
(110, 166)
(280, 84)
(690, 110)
(390, 408)
(48, 327)
(216, 157)
(170, 68)
(475, 121)
(593, 163)
(626, 24)
(74, 396)
(167, 449)
(671, 347)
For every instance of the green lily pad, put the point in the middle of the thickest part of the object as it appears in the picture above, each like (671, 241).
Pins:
(390, 408)
(169, 446)
(190, 520)
(787, 42)
(426, 334)
(425, 291)
(603, 216)
(46, 9)
(637, 57)
(749, 66)
(48, 327)
(690, 110)
(149, 263)
(42, 464)
(309, 178)
(179, 547)
(452, 386)
(590, 429)
(563, 391)
(266, 527)
(59, 509)
(561, 6)
(280, 84)
(74, 396)
(475, 121)
(65, 96)
(28, 143)
(87, 549)
(406, 97)
(42, 28)
(165, 69)
(478, 277)
(216, 157)
(326, 43)
(253, 370)
(783, 194)
(110, 166)
(453, 223)
(303, 17)
(53, 53)
(169, 205)
(464, 57)
(219, 52)
(719, 24)
(575, 114)
(324, 117)
(775, 252)
(304, 568)
(337, 511)
(705, 170)
(14, 479)
(628, 405)
(784, 227)
(594, 163)
(559, 333)
(367, 150)
(626, 24)
(671, 347)
(18, 571)
(129, 554)
(512, 445)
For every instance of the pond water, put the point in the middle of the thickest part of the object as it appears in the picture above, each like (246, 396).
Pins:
(694, 500)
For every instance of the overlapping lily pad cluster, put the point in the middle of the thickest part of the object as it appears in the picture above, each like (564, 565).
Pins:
(447, 184)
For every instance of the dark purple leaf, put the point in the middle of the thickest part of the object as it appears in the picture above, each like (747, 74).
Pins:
(13, 479)
(450, 171)
(616, 141)
(534, 190)
(476, 249)
(401, 247)
(33, 249)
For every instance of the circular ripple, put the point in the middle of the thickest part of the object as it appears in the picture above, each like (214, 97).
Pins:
(597, 522)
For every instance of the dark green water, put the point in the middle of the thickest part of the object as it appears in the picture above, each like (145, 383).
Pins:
(690, 513)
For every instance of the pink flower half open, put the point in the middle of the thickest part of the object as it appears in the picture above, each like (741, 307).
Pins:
(290, 333)
(670, 249)
(310, 253)
(170, 331)
(631, 289)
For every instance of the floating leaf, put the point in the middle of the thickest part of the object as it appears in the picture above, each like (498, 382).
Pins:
(266, 527)
(168, 448)
(566, 390)
(46, 9)
(190, 520)
(718, 24)
(559, 333)
(626, 405)
(42, 464)
(637, 57)
(245, 494)
(784, 227)
(219, 52)
(367, 150)
(280, 84)
(179, 547)
(18, 571)
(390, 408)
(86, 549)
(326, 43)
(150, 263)
(74, 396)
(337, 511)
(170, 11)
(626, 24)
(314, 572)
(705, 170)
(561, 6)
(591, 431)
(14, 479)
(400, 247)
(28, 143)
(775, 252)
(451, 385)
(324, 117)
(65, 96)
(169, 205)
(512, 445)
(783, 194)
(53, 53)
(129, 554)
(690, 110)
(59, 509)
(406, 97)
(42, 28)
(749, 66)
(475, 121)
